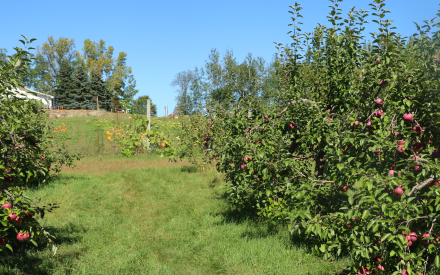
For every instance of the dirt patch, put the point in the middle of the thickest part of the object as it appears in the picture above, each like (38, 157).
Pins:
(102, 167)
(76, 113)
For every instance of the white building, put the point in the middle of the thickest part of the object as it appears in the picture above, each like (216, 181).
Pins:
(47, 100)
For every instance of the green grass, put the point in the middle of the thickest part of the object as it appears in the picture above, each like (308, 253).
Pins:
(144, 215)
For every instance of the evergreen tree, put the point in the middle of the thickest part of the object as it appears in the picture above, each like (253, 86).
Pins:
(98, 88)
(82, 97)
(64, 93)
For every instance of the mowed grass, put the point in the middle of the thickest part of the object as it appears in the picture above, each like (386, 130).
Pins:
(145, 215)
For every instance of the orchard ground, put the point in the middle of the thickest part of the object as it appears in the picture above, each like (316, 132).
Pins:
(145, 215)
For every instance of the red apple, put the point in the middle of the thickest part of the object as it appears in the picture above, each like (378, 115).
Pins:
(344, 189)
(379, 113)
(9, 180)
(413, 236)
(356, 123)
(2, 241)
(243, 166)
(381, 267)
(212, 156)
(245, 158)
(18, 220)
(379, 101)
(20, 236)
(377, 151)
(408, 118)
(378, 258)
(266, 117)
(424, 236)
(195, 128)
(377, 59)
(398, 191)
(291, 126)
(369, 124)
(391, 172)
(418, 129)
(418, 146)
(416, 168)
(12, 217)
(7, 205)
(409, 243)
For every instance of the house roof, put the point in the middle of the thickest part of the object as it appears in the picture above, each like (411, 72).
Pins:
(25, 89)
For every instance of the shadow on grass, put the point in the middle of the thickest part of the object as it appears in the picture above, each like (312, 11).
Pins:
(57, 179)
(189, 169)
(28, 259)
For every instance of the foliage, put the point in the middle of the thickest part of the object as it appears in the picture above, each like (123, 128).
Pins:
(25, 157)
(140, 105)
(334, 157)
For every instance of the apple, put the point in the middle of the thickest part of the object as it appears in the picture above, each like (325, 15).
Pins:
(245, 158)
(380, 267)
(424, 236)
(212, 156)
(409, 243)
(195, 128)
(2, 241)
(7, 205)
(377, 59)
(17, 219)
(404, 272)
(378, 241)
(436, 154)
(369, 124)
(266, 117)
(418, 146)
(196, 121)
(246, 131)
(243, 166)
(379, 113)
(9, 180)
(413, 236)
(12, 217)
(379, 101)
(344, 189)
(418, 129)
(416, 168)
(291, 126)
(408, 118)
(398, 191)
(434, 183)
(416, 158)
(356, 123)
(377, 151)
(22, 236)
(378, 258)
(391, 172)
(382, 82)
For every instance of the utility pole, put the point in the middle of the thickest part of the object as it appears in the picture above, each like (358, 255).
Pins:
(149, 121)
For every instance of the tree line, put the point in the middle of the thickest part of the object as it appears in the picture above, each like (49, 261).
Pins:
(82, 79)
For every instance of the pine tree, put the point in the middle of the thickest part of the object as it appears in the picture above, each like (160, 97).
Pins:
(83, 98)
(99, 89)
(64, 93)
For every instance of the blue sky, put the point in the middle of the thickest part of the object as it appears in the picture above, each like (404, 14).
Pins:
(163, 38)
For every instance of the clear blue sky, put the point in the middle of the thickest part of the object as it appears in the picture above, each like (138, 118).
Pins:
(163, 38)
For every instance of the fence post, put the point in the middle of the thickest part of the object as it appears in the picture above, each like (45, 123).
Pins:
(149, 121)
(97, 103)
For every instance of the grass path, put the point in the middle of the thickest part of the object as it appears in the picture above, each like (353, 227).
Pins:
(153, 217)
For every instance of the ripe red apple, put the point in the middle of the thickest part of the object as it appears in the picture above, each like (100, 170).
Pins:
(12, 217)
(379, 101)
(246, 131)
(378, 241)
(409, 243)
(381, 267)
(418, 146)
(391, 172)
(2, 241)
(369, 124)
(418, 129)
(7, 205)
(408, 118)
(196, 121)
(344, 189)
(413, 236)
(379, 113)
(18, 220)
(378, 258)
(404, 272)
(398, 191)
(245, 158)
(212, 156)
(195, 128)
(416, 158)
(424, 236)
(377, 151)
(9, 180)
(243, 166)
(266, 117)
(416, 168)
(377, 59)
(291, 126)
(20, 236)
(382, 82)
(356, 123)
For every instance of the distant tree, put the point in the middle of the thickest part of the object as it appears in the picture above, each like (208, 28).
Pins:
(49, 58)
(140, 106)
(65, 89)
(98, 88)
(183, 81)
(3, 54)
(83, 98)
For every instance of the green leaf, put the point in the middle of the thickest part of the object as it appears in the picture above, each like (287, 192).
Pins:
(340, 166)
(437, 261)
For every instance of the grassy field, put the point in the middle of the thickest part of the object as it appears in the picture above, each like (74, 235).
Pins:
(145, 215)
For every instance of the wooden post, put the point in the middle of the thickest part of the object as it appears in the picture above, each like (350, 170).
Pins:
(149, 121)
(97, 103)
